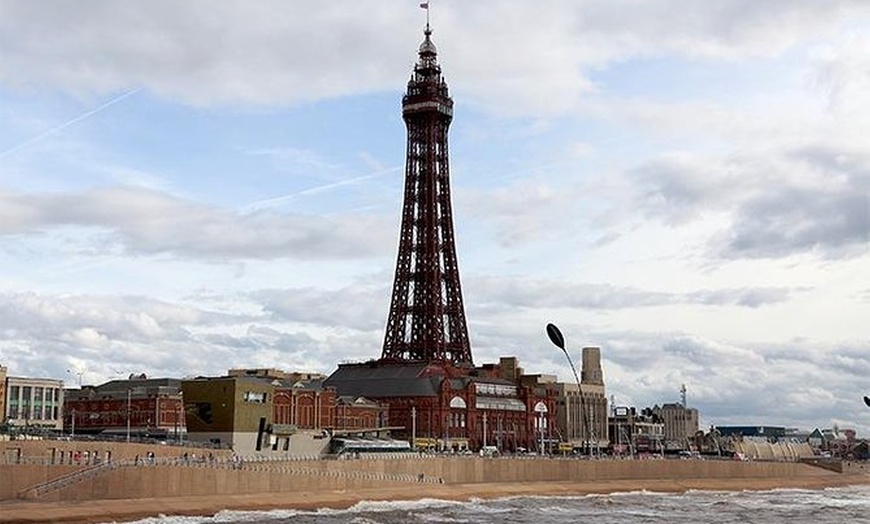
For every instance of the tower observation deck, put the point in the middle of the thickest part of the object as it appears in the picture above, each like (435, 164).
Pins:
(426, 322)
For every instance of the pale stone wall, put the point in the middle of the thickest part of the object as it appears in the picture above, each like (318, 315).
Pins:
(304, 443)
(172, 476)
(308, 444)
(25, 463)
(279, 476)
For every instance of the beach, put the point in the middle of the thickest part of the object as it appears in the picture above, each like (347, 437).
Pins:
(131, 490)
(125, 510)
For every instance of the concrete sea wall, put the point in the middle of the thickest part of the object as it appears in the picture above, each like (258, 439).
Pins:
(172, 475)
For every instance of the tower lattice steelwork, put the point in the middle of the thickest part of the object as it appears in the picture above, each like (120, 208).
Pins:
(427, 319)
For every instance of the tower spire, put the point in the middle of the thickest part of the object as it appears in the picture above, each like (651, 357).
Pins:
(425, 5)
(426, 321)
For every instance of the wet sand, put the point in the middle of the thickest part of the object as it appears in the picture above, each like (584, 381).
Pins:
(125, 510)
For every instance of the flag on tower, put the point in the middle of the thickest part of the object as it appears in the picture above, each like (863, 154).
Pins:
(424, 5)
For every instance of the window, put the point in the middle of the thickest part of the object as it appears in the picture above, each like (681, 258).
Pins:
(458, 403)
(255, 396)
(495, 389)
(203, 411)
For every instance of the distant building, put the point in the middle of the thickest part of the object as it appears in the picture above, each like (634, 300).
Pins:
(838, 442)
(140, 407)
(291, 377)
(632, 432)
(581, 413)
(228, 411)
(273, 412)
(752, 431)
(33, 404)
(860, 451)
(680, 425)
(3, 414)
(816, 439)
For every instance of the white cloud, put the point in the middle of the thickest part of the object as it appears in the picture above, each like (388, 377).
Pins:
(139, 221)
(811, 200)
(530, 57)
(355, 307)
(522, 292)
(841, 72)
(85, 337)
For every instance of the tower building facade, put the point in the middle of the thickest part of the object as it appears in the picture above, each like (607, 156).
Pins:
(426, 322)
(426, 376)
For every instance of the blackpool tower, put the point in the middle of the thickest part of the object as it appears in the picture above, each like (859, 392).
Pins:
(426, 322)
(436, 397)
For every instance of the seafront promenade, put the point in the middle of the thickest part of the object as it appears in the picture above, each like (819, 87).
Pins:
(180, 481)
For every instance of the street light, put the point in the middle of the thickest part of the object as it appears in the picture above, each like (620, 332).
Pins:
(414, 428)
(78, 373)
(559, 341)
(541, 410)
(129, 393)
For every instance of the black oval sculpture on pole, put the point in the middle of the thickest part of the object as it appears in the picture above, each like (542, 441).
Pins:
(556, 336)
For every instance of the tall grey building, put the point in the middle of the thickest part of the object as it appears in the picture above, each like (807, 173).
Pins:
(680, 424)
(581, 413)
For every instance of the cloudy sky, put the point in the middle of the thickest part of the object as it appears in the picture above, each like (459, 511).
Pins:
(191, 186)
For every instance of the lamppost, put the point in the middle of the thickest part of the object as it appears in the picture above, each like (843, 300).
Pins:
(179, 418)
(446, 422)
(129, 393)
(541, 410)
(414, 427)
(559, 341)
(78, 373)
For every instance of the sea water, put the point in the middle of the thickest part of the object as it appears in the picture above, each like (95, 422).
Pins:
(849, 505)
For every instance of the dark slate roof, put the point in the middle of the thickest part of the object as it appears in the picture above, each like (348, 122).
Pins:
(460, 382)
(379, 380)
(137, 388)
(148, 383)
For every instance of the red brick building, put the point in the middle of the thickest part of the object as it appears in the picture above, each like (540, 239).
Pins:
(138, 407)
(445, 408)
(312, 406)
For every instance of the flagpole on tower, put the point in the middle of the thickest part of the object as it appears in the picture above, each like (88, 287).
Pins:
(425, 5)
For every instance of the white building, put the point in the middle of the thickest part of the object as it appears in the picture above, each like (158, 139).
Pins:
(34, 403)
